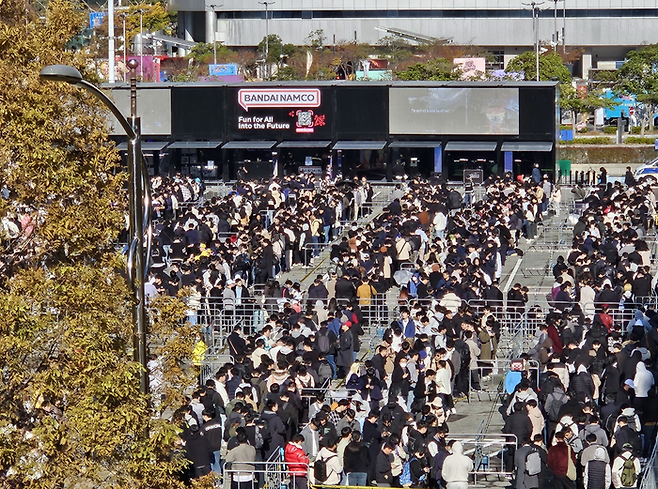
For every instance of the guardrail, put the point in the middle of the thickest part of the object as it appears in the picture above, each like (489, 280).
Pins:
(491, 375)
(490, 451)
(650, 473)
(211, 363)
(272, 474)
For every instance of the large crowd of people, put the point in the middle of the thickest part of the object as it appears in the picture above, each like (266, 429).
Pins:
(584, 419)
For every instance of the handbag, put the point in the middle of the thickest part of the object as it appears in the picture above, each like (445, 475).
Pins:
(571, 467)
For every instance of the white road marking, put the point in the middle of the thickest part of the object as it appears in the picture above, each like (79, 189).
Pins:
(511, 277)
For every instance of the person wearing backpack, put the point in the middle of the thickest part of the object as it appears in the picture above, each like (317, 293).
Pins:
(625, 469)
(597, 474)
(552, 406)
(528, 463)
(328, 469)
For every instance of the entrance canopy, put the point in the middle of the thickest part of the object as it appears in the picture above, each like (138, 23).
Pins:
(304, 144)
(414, 144)
(146, 145)
(347, 145)
(543, 146)
(249, 145)
(194, 144)
(471, 146)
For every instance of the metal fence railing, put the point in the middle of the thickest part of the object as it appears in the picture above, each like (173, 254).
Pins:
(491, 376)
(275, 473)
(650, 473)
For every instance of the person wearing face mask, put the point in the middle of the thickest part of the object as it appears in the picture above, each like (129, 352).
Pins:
(400, 380)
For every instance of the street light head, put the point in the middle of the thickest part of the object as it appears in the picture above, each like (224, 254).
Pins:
(62, 73)
(133, 64)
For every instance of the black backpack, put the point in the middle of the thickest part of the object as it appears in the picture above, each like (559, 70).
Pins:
(320, 469)
(264, 433)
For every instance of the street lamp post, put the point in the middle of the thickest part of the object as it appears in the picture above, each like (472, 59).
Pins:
(110, 41)
(125, 61)
(140, 200)
(534, 6)
(214, 32)
(267, 34)
(141, 45)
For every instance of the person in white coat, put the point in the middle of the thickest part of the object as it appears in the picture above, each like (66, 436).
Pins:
(618, 467)
(439, 223)
(332, 460)
(456, 468)
(643, 382)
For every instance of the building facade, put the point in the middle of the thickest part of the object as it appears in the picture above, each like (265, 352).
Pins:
(378, 130)
(605, 29)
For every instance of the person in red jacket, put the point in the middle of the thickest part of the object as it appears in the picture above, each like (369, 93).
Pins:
(557, 461)
(555, 338)
(297, 461)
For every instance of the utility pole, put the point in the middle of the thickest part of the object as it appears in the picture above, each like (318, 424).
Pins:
(125, 58)
(267, 34)
(214, 32)
(564, 27)
(110, 41)
(141, 46)
(534, 6)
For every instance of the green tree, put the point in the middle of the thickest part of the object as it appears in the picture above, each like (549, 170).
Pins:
(438, 69)
(203, 53)
(276, 49)
(71, 414)
(551, 67)
(577, 103)
(639, 76)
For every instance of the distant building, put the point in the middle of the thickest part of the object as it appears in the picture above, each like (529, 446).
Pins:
(605, 29)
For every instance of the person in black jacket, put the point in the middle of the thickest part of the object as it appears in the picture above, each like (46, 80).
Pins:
(625, 434)
(212, 431)
(356, 461)
(198, 451)
(345, 288)
(400, 380)
(518, 424)
(275, 427)
(236, 343)
(383, 474)
(419, 467)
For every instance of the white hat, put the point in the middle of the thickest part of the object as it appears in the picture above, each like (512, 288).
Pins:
(230, 282)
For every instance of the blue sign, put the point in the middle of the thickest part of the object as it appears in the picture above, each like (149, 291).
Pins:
(96, 19)
(655, 145)
(438, 159)
(223, 69)
(509, 162)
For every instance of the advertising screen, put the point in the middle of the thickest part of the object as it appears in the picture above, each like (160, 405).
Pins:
(451, 110)
(361, 112)
(273, 112)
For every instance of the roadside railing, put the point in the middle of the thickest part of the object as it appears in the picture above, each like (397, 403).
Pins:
(272, 474)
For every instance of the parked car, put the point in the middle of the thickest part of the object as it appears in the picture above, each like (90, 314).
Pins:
(647, 172)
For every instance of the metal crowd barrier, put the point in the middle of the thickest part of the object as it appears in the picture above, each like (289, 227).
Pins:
(211, 363)
(272, 474)
(492, 373)
(650, 474)
(490, 451)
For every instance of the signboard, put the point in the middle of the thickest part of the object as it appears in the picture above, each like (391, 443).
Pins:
(316, 170)
(96, 19)
(453, 110)
(278, 111)
(230, 69)
(476, 175)
(471, 68)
